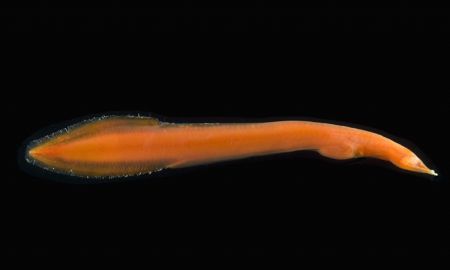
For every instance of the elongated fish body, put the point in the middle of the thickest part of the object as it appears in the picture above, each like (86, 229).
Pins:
(118, 146)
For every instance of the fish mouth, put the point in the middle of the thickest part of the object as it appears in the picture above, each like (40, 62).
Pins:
(421, 167)
(415, 164)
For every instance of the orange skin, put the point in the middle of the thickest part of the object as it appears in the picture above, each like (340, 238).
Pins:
(119, 146)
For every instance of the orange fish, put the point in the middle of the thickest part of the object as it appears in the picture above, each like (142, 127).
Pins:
(118, 146)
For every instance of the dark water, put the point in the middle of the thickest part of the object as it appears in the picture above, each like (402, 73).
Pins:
(292, 204)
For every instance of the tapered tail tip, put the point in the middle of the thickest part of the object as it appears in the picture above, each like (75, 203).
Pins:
(432, 172)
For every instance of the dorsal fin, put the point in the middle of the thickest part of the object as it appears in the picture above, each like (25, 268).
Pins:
(113, 121)
(101, 124)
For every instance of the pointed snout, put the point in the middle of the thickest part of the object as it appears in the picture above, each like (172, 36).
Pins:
(414, 164)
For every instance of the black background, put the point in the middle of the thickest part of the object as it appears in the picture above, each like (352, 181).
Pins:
(190, 62)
